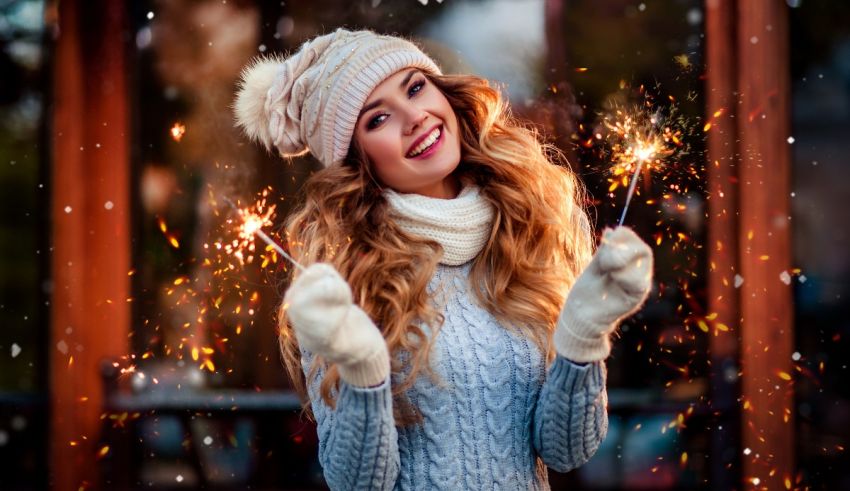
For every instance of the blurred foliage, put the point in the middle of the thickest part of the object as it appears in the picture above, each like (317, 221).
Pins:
(24, 198)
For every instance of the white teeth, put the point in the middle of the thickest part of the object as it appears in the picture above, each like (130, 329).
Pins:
(426, 143)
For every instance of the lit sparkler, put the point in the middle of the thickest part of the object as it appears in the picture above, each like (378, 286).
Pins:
(638, 142)
(252, 226)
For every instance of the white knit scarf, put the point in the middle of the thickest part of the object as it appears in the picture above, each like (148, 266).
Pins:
(461, 225)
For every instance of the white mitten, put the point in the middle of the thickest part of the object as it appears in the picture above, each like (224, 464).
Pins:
(613, 286)
(327, 323)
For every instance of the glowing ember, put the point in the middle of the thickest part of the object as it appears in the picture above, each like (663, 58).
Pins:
(104, 450)
(253, 223)
(644, 152)
(171, 238)
(177, 131)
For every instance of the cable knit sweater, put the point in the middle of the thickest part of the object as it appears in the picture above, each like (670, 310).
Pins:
(502, 417)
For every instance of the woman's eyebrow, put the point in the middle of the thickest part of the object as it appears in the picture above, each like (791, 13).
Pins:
(378, 102)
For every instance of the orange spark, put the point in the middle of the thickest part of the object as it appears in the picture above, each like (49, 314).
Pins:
(102, 452)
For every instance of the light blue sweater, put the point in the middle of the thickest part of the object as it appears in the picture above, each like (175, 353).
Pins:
(502, 417)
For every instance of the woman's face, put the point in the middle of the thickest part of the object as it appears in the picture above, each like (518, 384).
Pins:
(409, 131)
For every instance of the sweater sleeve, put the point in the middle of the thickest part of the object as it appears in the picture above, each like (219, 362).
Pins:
(358, 441)
(571, 416)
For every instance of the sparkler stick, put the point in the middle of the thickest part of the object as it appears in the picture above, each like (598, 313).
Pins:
(255, 227)
(631, 191)
(268, 240)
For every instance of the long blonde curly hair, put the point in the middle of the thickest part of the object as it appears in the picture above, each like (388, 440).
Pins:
(540, 240)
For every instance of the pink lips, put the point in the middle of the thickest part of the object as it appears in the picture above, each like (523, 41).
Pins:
(433, 148)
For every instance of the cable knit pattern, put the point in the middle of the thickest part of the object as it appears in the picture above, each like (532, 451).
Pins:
(358, 443)
(497, 419)
(461, 225)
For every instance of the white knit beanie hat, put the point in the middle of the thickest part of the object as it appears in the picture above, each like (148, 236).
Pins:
(310, 101)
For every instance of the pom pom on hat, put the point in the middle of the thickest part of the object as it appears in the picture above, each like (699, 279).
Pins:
(249, 108)
(311, 100)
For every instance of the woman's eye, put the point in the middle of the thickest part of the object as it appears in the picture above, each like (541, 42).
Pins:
(412, 91)
(374, 122)
(416, 87)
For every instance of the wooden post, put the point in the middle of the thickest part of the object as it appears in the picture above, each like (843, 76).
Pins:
(91, 245)
(764, 250)
(722, 243)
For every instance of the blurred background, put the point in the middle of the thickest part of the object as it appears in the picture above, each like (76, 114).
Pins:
(137, 334)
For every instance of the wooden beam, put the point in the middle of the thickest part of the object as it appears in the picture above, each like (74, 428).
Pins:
(765, 235)
(722, 243)
(91, 246)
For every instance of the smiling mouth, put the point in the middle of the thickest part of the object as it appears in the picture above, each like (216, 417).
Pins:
(426, 144)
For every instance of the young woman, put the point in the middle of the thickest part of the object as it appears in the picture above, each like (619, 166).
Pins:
(451, 326)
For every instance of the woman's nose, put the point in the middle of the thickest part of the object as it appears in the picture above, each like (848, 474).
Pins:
(416, 118)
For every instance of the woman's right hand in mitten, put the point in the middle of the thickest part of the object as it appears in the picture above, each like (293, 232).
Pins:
(326, 322)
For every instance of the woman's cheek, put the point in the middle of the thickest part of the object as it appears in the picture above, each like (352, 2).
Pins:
(392, 140)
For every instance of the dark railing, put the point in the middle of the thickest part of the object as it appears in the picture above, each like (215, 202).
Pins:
(179, 436)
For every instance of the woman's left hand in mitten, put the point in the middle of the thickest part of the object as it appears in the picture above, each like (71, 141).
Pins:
(612, 287)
